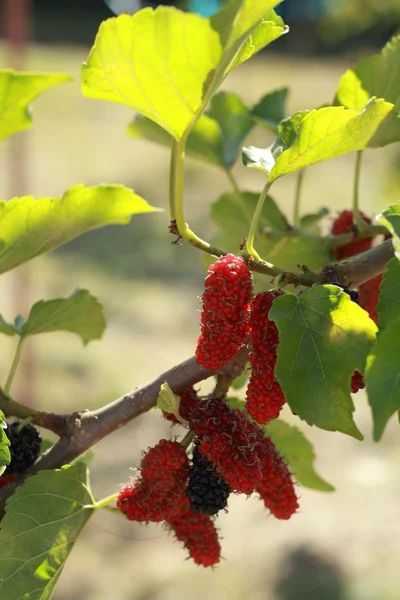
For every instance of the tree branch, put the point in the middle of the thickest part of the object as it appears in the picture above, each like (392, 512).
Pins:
(87, 428)
(80, 431)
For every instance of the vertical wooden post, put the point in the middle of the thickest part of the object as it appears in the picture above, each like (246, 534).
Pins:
(16, 23)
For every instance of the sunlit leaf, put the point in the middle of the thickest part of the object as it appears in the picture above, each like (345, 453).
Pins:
(81, 314)
(271, 109)
(4, 445)
(17, 90)
(167, 64)
(377, 75)
(322, 134)
(268, 30)
(299, 453)
(324, 337)
(390, 218)
(43, 519)
(29, 227)
(383, 377)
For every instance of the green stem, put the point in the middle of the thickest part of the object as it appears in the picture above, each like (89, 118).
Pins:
(177, 172)
(13, 368)
(172, 180)
(297, 198)
(105, 501)
(356, 192)
(188, 439)
(255, 220)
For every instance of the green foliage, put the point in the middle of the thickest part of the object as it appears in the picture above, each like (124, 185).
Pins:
(271, 109)
(17, 90)
(377, 75)
(390, 218)
(4, 445)
(43, 519)
(138, 60)
(169, 402)
(310, 223)
(383, 377)
(30, 227)
(299, 452)
(324, 337)
(216, 137)
(322, 134)
(81, 314)
(241, 381)
(389, 294)
(233, 212)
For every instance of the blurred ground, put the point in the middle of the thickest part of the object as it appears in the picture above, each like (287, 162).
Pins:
(152, 318)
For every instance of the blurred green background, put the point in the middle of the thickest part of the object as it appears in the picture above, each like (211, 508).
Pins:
(341, 546)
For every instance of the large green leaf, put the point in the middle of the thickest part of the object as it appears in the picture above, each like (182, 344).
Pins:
(383, 377)
(217, 135)
(17, 90)
(390, 218)
(389, 294)
(4, 445)
(310, 223)
(299, 452)
(322, 134)
(167, 64)
(43, 520)
(269, 29)
(81, 314)
(29, 227)
(324, 338)
(377, 75)
(271, 109)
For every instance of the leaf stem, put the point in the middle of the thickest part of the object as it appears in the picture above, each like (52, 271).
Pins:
(172, 181)
(297, 198)
(177, 172)
(14, 367)
(105, 501)
(188, 439)
(356, 192)
(255, 220)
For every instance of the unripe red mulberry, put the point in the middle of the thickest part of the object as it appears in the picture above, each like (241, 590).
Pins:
(225, 309)
(159, 492)
(199, 535)
(264, 395)
(369, 296)
(344, 223)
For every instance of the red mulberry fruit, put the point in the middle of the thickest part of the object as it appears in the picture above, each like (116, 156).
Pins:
(264, 395)
(344, 223)
(225, 309)
(199, 535)
(369, 295)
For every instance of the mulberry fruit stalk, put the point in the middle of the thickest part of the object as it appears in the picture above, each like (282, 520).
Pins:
(226, 300)
(264, 395)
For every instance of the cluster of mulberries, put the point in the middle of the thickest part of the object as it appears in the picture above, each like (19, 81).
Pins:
(229, 315)
(159, 495)
(25, 444)
(230, 453)
(226, 303)
(264, 395)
